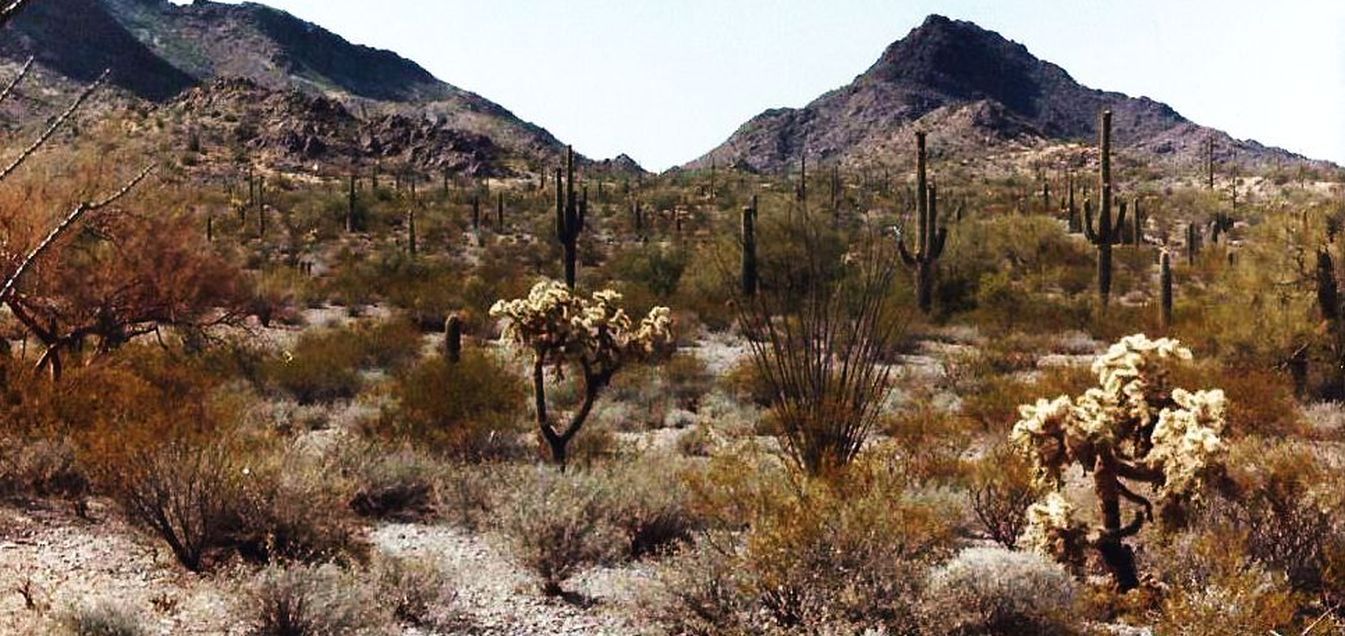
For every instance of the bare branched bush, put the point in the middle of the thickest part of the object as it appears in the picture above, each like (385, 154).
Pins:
(819, 332)
(557, 524)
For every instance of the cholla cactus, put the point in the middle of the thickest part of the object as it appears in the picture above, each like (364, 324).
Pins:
(1133, 428)
(563, 328)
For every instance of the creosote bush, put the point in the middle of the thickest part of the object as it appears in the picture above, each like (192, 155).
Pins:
(104, 617)
(313, 600)
(557, 524)
(469, 410)
(996, 591)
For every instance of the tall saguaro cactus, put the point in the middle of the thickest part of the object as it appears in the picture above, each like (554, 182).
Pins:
(1107, 231)
(352, 215)
(1165, 290)
(749, 238)
(930, 238)
(570, 214)
(453, 338)
(1333, 313)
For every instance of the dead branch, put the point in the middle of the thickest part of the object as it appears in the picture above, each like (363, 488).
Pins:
(12, 10)
(55, 125)
(70, 219)
(23, 72)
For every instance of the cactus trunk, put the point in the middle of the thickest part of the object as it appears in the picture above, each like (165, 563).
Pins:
(749, 238)
(1165, 293)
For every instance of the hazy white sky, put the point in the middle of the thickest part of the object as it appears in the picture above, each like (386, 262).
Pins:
(666, 80)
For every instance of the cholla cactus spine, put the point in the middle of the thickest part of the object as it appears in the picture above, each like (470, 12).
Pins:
(930, 238)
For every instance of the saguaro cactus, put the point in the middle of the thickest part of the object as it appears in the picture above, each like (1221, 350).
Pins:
(930, 238)
(453, 338)
(352, 214)
(1328, 301)
(1137, 225)
(411, 230)
(1193, 240)
(1108, 231)
(1165, 290)
(1075, 223)
(499, 211)
(749, 238)
(476, 212)
(570, 214)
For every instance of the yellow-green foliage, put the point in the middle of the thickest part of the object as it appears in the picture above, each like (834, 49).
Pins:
(471, 410)
(325, 365)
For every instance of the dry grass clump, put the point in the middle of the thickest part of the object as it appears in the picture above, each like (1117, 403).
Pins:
(104, 617)
(314, 600)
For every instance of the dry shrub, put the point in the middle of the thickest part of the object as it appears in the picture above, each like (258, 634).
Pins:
(996, 591)
(308, 600)
(187, 494)
(1260, 402)
(470, 410)
(647, 502)
(397, 484)
(101, 618)
(42, 468)
(1214, 589)
(929, 441)
(1283, 503)
(325, 365)
(744, 382)
(416, 590)
(818, 556)
(557, 524)
(687, 380)
(994, 402)
(1000, 489)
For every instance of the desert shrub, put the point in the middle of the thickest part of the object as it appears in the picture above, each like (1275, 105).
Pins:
(297, 510)
(744, 382)
(469, 410)
(188, 494)
(1291, 486)
(686, 380)
(929, 441)
(1215, 589)
(647, 503)
(996, 591)
(324, 365)
(702, 590)
(416, 590)
(469, 493)
(393, 484)
(655, 270)
(556, 524)
(101, 618)
(308, 600)
(833, 556)
(1000, 488)
(42, 468)
(1260, 401)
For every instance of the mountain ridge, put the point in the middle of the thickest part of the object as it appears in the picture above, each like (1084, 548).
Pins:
(974, 90)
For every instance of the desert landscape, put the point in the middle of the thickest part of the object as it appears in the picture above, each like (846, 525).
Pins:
(301, 340)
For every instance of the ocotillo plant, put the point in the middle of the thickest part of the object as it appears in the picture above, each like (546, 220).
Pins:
(1165, 290)
(570, 213)
(453, 338)
(930, 238)
(749, 238)
(1107, 231)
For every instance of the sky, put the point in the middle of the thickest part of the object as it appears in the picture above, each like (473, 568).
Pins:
(667, 80)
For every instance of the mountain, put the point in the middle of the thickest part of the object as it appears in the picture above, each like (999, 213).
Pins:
(158, 51)
(974, 91)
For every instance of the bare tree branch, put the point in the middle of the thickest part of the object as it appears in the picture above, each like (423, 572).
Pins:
(12, 10)
(56, 232)
(23, 72)
(55, 125)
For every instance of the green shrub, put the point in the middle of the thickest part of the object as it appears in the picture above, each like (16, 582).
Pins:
(324, 365)
(557, 524)
(470, 410)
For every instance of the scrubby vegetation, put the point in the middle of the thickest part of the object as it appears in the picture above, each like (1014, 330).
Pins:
(339, 406)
